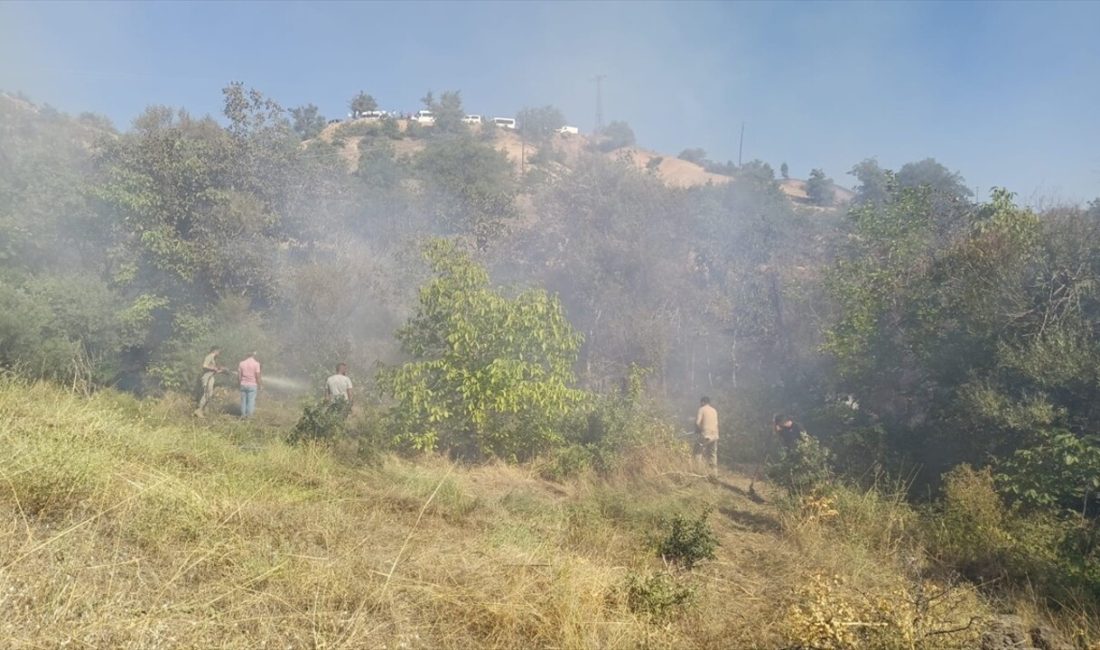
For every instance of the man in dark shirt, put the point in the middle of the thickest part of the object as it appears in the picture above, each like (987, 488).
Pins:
(789, 432)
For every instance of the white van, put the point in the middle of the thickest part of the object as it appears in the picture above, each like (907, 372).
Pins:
(472, 119)
(505, 122)
(427, 118)
(569, 130)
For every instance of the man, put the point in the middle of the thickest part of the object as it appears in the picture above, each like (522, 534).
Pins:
(789, 432)
(248, 376)
(210, 370)
(706, 425)
(338, 387)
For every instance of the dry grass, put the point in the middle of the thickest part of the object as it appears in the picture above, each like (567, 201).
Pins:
(131, 526)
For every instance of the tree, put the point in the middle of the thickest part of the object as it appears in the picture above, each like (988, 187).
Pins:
(874, 182)
(539, 123)
(489, 375)
(697, 156)
(616, 136)
(819, 188)
(307, 121)
(784, 171)
(757, 171)
(362, 104)
(447, 110)
(468, 186)
(931, 174)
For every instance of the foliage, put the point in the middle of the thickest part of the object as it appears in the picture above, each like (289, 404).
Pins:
(784, 171)
(657, 595)
(804, 469)
(1060, 471)
(819, 188)
(490, 375)
(362, 104)
(874, 182)
(321, 422)
(601, 430)
(931, 174)
(697, 155)
(448, 112)
(307, 121)
(539, 123)
(616, 135)
(67, 328)
(468, 186)
(686, 541)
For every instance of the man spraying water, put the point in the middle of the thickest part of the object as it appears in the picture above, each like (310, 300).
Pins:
(248, 375)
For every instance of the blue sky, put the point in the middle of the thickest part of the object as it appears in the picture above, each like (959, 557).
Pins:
(1008, 94)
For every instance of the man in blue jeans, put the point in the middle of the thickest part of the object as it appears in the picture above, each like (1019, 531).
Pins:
(248, 375)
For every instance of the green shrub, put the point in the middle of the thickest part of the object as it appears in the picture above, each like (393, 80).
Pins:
(357, 129)
(802, 469)
(687, 541)
(1060, 470)
(321, 422)
(970, 531)
(490, 375)
(656, 596)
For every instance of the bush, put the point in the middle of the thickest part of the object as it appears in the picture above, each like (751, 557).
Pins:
(490, 375)
(321, 422)
(969, 532)
(616, 135)
(687, 541)
(803, 469)
(657, 595)
(357, 129)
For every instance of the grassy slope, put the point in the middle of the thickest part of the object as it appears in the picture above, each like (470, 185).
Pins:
(129, 525)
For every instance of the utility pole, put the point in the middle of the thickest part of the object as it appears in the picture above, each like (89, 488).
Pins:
(741, 144)
(599, 101)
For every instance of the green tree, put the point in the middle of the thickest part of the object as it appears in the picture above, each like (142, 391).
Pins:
(362, 104)
(307, 121)
(931, 174)
(819, 188)
(784, 171)
(617, 135)
(697, 156)
(467, 186)
(874, 182)
(539, 123)
(489, 375)
(448, 112)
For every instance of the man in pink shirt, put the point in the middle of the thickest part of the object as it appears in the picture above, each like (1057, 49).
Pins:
(248, 375)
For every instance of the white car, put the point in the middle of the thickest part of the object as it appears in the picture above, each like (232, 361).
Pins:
(472, 119)
(374, 115)
(505, 122)
(427, 118)
(569, 130)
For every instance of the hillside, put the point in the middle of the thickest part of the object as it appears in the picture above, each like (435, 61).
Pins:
(672, 170)
(132, 526)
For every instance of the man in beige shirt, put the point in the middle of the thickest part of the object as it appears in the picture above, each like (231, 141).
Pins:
(706, 425)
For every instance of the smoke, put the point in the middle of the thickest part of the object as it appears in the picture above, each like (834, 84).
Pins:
(285, 384)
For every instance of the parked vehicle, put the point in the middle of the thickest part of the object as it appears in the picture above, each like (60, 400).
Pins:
(505, 122)
(569, 130)
(472, 119)
(374, 115)
(427, 118)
